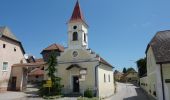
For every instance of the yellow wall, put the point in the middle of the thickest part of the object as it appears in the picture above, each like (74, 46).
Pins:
(85, 60)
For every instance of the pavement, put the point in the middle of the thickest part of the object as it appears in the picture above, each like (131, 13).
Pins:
(126, 91)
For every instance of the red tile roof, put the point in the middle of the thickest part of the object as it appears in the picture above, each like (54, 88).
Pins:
(77, 14)
(36, 72)
(54, 47)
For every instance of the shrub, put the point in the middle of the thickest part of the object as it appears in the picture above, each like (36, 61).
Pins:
(88, 93)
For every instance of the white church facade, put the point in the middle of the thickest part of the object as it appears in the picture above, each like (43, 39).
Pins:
(77, 56)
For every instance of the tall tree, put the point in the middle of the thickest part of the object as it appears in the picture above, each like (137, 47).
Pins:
(124, 70)
(142, 69)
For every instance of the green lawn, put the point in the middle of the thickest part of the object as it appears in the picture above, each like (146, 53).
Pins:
(81, 98)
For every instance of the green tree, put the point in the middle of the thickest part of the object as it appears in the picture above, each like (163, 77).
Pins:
(51, 70)
(124, 70)
(130, 69)
(142, 69)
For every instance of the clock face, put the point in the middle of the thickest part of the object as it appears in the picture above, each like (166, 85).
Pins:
(75, 53)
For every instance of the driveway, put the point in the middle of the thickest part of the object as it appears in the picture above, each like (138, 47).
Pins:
(129, 92)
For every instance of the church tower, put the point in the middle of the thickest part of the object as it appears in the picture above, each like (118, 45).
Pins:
(77, 30)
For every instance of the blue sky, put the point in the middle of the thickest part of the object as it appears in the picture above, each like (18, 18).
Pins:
(119, 29)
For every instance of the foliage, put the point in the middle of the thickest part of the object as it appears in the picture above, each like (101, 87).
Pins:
(88, 93)
(124, 70)
(130, 69)
(94, 98)
(56, 86)
(142, 69)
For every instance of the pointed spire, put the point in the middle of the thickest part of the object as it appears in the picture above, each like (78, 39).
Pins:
(77, 13)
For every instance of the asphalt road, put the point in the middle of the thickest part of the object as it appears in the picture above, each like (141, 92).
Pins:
(129, 92)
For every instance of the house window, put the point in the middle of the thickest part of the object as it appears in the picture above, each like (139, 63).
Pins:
(104, 78)
(109, 77)
(4, 45)
(75, 36)
(5, 65)
(15, 49)
(84, 37)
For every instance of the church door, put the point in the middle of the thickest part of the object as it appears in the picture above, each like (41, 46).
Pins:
(75, 84)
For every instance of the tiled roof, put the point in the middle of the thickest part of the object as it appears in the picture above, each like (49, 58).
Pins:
(54, 47)
(4, 31)
(161, 46)
(36, 72)
(77, 14)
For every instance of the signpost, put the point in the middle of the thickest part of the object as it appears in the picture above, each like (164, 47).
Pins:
(48, 85)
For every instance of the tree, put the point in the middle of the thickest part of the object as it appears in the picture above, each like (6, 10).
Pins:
(130, 69)
(124, 70)
(56, 86)
(142, 69)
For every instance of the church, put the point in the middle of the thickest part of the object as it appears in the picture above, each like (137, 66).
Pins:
(98, 73)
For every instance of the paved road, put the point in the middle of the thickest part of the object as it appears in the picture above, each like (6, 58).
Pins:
(129, 92)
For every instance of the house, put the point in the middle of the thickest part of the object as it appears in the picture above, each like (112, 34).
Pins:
(77, 56)
(131, 76)
(118, 75)
(11, 52)
(158, 66)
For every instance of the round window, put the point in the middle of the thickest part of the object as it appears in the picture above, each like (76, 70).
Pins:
(74, 27)
(75, 53)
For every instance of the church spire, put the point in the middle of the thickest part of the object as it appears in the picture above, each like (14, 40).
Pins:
(77, 13)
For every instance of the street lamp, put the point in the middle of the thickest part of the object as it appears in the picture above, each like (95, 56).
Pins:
(82, 78)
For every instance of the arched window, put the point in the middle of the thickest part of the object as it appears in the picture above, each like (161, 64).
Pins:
(75, 36)
(84, 37)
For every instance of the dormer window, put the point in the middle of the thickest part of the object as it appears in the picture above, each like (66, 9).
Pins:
(75, 36)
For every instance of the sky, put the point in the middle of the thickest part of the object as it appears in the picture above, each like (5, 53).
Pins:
(119, 30)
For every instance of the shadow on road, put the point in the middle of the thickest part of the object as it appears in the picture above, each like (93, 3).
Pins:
(141, 95)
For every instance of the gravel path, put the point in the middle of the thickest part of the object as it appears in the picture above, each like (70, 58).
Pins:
(128, 92)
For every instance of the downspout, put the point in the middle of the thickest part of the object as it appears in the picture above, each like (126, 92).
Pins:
(162, 80)
(96, 79)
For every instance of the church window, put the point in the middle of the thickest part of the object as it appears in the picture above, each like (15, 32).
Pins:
(74, 27)
(109, 77)
(104, 77)
(75, 36)
(84, 37)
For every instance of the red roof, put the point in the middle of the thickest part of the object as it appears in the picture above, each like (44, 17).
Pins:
(36, 72)
(54, 47)
(77, 13)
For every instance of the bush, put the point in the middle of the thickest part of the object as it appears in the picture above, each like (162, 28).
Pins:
(88, 93)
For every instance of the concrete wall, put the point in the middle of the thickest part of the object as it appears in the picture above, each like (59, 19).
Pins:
(144, 83)
(106, 87)
(154, 77)
(166, 75)
(8, 54)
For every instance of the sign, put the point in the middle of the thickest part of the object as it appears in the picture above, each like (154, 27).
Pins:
(47, 85)
(83, 72)
(49, 82)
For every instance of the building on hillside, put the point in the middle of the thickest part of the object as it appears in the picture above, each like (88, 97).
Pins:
(11, 52)
(78, 56)
(131, 76)
(118, 75)
(158, 66)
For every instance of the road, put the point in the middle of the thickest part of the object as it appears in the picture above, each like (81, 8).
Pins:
(129, 92)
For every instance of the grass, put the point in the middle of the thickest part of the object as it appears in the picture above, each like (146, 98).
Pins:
(94, 98)
(52, 97)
